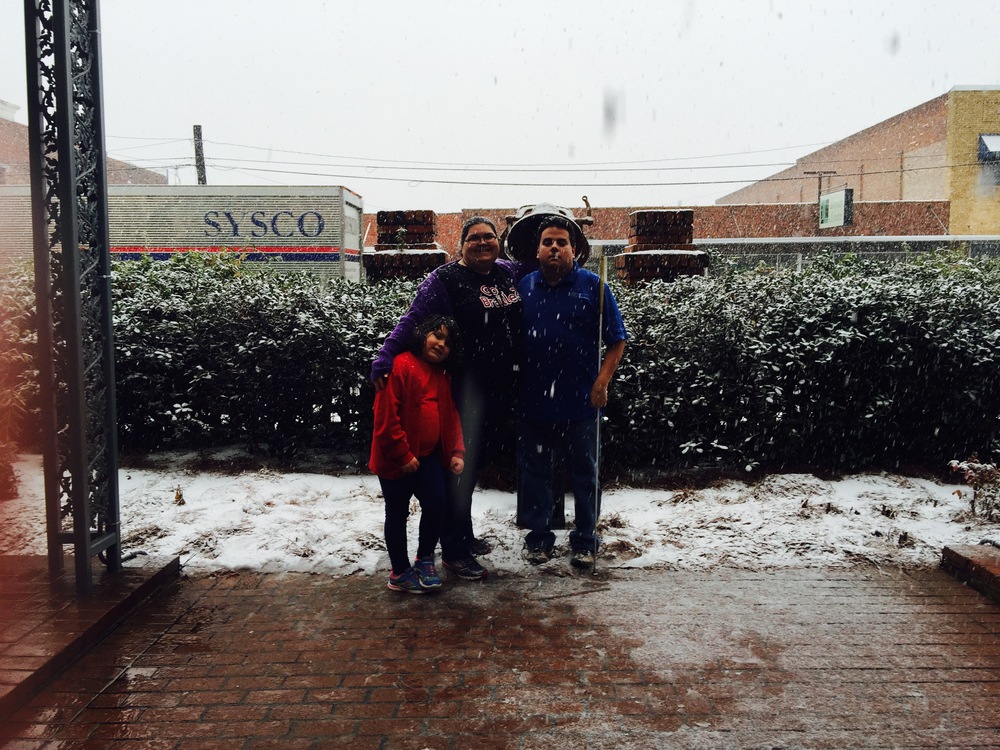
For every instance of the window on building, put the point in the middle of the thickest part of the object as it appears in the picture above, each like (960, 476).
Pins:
(989, 147)
(989, 157)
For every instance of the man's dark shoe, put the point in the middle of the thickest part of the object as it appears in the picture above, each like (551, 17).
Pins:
(537, 555)
(582, 558)
(469, 569)
(479, 547)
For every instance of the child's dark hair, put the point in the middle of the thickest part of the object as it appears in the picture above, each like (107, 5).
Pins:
(432, 323)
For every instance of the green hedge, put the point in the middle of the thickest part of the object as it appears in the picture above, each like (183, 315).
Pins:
(210, 350)
(851, 364)
(848, 365)
(17, 381)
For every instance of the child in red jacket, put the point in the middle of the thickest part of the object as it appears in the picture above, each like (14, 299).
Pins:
(416, 440)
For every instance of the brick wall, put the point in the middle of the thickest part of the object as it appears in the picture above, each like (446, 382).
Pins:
(975, 195)
(14, 155)
(902, 158)
(886, 219)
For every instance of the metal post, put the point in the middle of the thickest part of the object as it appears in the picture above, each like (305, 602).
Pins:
(38, 93)
(112, 520)
(597, 452)
(72, 328)
(72, 282)
(199, 156)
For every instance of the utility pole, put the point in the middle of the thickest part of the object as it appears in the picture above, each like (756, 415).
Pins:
(199, 156)
(820, 174)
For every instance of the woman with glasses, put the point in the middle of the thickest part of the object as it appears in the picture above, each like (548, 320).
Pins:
(479, 290)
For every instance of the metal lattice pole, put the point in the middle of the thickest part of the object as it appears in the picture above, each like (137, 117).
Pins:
(72, 282)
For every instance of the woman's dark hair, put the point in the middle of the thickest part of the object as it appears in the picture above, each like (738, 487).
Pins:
(560, 222)
(471, 222)
(432, 323)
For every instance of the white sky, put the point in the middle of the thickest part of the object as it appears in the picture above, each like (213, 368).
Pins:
(333, 524)
(353, 91)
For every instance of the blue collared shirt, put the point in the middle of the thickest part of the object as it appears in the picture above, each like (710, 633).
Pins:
(561, 348)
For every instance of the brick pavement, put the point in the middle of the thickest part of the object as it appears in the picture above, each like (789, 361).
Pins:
(630, 659)
(45, 625)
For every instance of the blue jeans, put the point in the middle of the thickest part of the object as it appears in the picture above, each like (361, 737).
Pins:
(486, 413)
(536, 441)
(428, 483)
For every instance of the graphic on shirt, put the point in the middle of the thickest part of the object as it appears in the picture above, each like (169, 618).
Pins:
(492, 296)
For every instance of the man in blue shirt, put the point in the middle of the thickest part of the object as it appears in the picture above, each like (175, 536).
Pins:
(564, 384)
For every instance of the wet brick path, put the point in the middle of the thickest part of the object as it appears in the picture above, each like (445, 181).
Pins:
(640, 659)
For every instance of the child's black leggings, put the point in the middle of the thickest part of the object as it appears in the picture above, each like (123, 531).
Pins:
(428, 485)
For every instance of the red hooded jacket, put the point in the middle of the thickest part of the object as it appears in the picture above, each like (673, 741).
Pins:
(398, 426)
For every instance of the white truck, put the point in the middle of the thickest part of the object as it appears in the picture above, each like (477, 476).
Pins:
(315, 228)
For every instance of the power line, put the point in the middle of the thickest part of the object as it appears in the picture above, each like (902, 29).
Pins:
(501, 169)
(165, 142)
(481, 165)
(417, 181)
(508, 164)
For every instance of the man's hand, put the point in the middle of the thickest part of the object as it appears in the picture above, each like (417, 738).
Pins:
(411, 466)
(599, 394)
(457, 465)
(599, 390)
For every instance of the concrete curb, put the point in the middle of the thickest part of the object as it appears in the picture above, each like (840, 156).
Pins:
(56, 626)
(977, 565)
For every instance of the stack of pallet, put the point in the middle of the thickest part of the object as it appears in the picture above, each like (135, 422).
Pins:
(660, 246)
(405, 246)
(409, 230)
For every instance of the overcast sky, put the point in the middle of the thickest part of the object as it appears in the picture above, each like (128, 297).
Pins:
(684, 100)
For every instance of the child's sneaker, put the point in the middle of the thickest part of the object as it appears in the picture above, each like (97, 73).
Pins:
(408, 581)
(427, 575)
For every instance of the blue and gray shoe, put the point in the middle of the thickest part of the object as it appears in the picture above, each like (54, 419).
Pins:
(427, 574)
(408, 581)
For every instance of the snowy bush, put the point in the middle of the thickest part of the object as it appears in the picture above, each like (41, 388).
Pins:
(17, 386)
(848, 365)
(984, 480)
(210, 350)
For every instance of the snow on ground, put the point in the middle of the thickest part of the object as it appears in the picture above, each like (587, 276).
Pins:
(333, 524)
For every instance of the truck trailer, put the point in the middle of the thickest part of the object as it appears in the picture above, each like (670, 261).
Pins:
(303, 227)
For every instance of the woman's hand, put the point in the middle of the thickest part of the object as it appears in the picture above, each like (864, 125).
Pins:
(457, 465)
(411, 466)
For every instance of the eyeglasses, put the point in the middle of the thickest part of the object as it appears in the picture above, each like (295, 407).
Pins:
(474, 238)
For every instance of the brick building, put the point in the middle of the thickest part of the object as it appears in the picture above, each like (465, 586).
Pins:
(14, 154)
(929, 171)
(752, 221)
(15, 176)
(937, 152)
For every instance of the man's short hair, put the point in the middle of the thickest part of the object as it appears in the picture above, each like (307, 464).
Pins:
(559, 222)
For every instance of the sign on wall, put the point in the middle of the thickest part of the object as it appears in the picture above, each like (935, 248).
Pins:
(836, 209)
